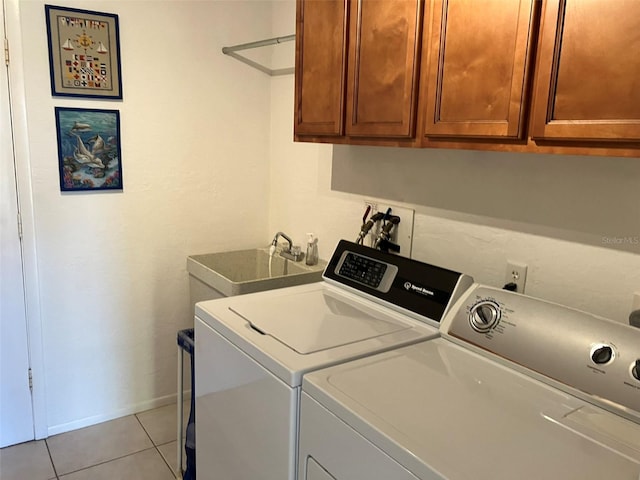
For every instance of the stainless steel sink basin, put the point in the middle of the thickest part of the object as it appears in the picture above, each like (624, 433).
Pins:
(245, 271)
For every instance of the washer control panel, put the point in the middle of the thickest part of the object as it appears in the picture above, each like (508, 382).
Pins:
(419, 289)
(484, 315)
(368, 271)
(601, 354)
(569, 348)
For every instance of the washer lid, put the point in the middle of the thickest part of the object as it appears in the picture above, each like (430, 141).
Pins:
(313, 321)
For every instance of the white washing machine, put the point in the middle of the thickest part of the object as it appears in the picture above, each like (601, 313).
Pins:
(515, 388)
(251, 351)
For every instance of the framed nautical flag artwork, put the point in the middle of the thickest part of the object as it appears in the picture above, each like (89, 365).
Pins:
(88, 149)
(84, 53)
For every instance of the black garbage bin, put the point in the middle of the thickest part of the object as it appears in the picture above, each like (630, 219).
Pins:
(186, 342)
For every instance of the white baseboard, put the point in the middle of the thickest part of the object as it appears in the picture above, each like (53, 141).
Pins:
(122, 412)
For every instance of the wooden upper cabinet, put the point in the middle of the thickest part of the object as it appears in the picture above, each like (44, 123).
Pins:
(321, 54)
(479, 57)
(384, 56)
(587, 82)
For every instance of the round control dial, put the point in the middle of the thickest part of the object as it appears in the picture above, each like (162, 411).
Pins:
(484, 316)
(601, 354)
(635, 370)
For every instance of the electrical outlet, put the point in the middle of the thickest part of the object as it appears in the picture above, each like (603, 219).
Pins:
(516, 273)
(373, 205)
(401, 235)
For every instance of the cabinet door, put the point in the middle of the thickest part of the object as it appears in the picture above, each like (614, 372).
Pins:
(384, 46)
(587, 76)
(479, 56)
(321, 50)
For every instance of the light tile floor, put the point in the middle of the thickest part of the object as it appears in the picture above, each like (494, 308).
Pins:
(141, 446)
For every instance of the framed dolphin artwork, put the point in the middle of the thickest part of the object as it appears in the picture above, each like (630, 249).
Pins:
(89, 149)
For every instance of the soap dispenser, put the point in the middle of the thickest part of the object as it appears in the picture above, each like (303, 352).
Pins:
(312, 250)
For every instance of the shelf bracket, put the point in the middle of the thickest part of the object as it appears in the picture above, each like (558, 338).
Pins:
(231, 51)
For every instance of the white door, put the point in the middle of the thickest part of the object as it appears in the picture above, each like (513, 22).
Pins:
(16, 410)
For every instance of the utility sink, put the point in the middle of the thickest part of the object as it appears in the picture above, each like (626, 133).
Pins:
(245, 271)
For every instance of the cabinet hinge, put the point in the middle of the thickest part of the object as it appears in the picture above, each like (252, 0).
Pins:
(6, 51)
(30, 380)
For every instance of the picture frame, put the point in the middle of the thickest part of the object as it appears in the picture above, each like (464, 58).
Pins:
(84, 53)
(89, 152)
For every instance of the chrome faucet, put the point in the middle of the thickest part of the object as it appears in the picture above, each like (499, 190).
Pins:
(286, 252)
(274, 243)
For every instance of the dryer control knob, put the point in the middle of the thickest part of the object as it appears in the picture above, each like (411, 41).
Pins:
(484, 316)
(635, 371)
(602, 354)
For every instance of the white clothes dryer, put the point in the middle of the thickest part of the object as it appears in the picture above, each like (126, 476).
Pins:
(515, 388)
(252, 351)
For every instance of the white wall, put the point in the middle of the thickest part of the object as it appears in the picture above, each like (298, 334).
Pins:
(301, 201)
(209, 164)
(195, 137)
(575, 221)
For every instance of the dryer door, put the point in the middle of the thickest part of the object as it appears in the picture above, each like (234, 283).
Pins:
(331, 450)
(316, 472)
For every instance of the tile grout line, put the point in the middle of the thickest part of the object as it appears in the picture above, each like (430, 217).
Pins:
(105, 461)
(53, 465)
(166, 463)
(156, 447)
(144, 429)
(55, 470)
(153, 446)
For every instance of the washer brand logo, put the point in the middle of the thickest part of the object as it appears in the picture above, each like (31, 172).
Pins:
(415, 288)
